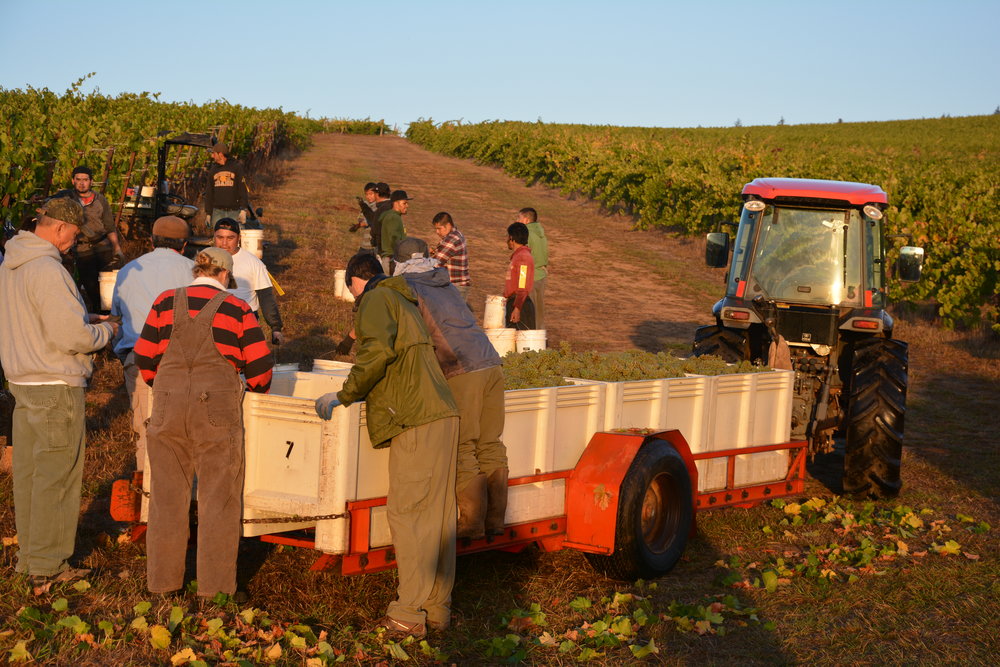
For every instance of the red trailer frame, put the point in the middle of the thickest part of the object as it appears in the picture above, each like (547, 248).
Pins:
(591, 502)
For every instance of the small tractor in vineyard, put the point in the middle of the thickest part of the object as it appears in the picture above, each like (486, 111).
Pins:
(805, 290)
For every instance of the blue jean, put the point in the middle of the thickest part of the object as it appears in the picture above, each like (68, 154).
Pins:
(48, 472)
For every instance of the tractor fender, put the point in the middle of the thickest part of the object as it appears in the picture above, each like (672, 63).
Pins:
(593, 488)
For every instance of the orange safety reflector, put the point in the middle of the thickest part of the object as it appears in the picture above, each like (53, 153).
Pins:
(741, 288)
(865, 324)
(736, 315)
(126, 502)
(868, 298)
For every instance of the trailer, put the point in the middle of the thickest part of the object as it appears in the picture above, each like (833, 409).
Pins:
(613, 469)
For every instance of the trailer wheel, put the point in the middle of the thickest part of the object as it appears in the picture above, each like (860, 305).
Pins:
(875, 415)
(655, 513)
(731, 345)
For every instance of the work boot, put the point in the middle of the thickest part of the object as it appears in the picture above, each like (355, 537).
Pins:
(496, 488)
(472, 509)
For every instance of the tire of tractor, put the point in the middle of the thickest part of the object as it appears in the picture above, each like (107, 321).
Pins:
(731, 345)
(655, 513)
(875, 413)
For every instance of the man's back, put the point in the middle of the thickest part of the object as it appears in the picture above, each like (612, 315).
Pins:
(139, 283)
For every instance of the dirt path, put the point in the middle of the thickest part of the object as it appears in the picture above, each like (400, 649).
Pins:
(609, 288)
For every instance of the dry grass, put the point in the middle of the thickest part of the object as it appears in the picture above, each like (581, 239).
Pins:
(920, 610)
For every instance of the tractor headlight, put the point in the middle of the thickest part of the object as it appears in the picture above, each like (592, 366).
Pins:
(820, 349)
(754, 205)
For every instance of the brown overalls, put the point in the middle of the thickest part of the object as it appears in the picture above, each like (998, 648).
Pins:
(196, 429)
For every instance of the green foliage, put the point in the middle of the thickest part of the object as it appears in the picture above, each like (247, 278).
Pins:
(43, 133)
(940, 175)
(549, 368)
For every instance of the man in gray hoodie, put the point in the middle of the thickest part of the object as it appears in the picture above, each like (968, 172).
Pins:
(474, 373)
(46, 342)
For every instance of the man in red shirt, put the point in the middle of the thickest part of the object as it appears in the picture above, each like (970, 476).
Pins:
(520, 279)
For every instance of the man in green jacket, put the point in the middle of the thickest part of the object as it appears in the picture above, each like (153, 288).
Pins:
(539, 246)
(393, 231)
(411, 411)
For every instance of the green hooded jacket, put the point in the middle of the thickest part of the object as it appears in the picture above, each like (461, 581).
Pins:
(396, 370)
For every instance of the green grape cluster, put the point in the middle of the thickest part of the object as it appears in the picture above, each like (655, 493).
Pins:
(549, 368)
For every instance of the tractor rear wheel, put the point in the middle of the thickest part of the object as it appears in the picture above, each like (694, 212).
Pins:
(655, 513)
(875, 414)
(731, 345)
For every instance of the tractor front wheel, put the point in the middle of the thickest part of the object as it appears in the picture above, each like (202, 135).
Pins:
(655, 513)
(732, 346)
(876, 408)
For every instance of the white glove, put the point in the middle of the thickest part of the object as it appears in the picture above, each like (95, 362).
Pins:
(325, 405)
(243, 216)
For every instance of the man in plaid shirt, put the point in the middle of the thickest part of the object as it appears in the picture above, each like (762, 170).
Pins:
(452, 254)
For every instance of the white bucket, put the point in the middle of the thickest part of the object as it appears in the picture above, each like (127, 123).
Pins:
(494, 315)
(340, 290)
(253, 241)
(530, 339)
(107, 284)
(504, 340)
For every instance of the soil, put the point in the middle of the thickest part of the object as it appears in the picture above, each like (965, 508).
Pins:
(601, 292)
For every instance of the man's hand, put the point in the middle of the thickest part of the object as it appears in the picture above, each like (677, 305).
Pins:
(515, 315)
(277, 338)
(325, 405)
(344, 348)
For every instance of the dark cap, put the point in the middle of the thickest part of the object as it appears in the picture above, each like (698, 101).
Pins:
(228, 223)
(83, 169)
(382, 189)
(171, 227)
(399, 195)
(220, 147)
(409, 248)
(65, 209)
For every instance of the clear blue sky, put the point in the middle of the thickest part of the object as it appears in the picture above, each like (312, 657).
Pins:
(624, 62)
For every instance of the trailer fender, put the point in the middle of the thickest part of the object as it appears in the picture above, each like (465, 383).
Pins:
(593, 488)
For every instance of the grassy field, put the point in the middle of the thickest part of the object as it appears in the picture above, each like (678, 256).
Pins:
(811, 580)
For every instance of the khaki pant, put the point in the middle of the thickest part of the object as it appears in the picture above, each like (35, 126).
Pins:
(480, 400)
(139, 395)
(48, 473)
(421, 508)
(538, 298)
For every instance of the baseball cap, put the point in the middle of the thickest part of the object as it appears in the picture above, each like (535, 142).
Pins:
(399, 195)
(220, 258)
(65, 209)
(227, 223)
(219, 147)
(409, 248)
(171, 227)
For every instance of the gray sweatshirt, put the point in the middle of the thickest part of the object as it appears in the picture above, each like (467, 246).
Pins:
(44, 334)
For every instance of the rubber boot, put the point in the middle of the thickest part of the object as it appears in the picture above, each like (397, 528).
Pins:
(472, 509)
(496, 488)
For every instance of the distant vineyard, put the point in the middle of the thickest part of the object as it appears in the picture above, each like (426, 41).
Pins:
(942, 176)
(43, 135)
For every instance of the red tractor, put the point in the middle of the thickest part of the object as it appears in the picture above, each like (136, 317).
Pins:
(806, 290)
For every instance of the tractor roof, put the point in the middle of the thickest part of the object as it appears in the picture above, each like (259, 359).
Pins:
(799, 188)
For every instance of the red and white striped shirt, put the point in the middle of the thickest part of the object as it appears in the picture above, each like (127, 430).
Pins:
(235, 331)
